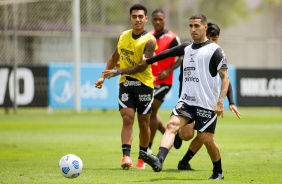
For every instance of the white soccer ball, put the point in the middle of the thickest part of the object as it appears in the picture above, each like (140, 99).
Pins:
(70, 166)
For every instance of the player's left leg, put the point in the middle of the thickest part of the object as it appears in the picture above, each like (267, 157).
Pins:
(214, 153)
(205, 123)
(194, 147)
(144, 136)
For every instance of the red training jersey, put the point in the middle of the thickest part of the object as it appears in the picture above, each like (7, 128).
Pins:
(163, 44)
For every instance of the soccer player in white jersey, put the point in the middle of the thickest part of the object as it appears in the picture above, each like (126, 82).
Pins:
(186, 133)
(200, 100)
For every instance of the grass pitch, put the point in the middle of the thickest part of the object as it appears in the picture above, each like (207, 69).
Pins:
(32, 143)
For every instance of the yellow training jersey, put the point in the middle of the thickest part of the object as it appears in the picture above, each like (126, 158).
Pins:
(130, 52)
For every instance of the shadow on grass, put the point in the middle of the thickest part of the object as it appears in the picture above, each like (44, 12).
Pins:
(163, 171)
(178, 171)
(174, 179)
(171, 179)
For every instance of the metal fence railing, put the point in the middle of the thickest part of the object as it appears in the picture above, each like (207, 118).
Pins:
(250, 29)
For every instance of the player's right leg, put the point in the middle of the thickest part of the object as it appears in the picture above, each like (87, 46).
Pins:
(174, 124)
(127, 115)
(127, 106)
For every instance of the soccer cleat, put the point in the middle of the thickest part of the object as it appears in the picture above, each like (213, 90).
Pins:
(152, 160)
(149, 150)
(140, 164)
(216, 176)
(177, 141)
(126, 162)
(184, 166)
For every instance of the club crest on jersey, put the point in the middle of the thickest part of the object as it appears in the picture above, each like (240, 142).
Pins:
(124, 97)
(179, 105)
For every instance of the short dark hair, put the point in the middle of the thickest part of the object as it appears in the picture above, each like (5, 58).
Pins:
(158, 11)
(138, 7)
(200, 16)
(213, 29)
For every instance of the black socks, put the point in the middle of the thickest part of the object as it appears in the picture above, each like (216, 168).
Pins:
(217, 166)
(162, 154)
(188, 156)
(126, 149)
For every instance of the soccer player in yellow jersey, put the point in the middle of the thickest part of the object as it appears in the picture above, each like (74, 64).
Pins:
(136, 89)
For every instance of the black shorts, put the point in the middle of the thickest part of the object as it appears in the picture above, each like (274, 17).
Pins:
(205, 120)
(134, 94)
(161, 91)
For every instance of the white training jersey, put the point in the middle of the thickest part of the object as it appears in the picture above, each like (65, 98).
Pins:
(201, 63)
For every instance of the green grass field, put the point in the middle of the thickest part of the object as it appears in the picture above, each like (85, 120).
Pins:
(32, 143)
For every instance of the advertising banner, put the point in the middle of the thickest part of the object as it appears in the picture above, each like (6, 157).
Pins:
(31, 86)
(259, 87)
(61, 87)
(61, 91)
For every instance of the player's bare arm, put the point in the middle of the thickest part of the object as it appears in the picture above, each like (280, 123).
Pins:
(223, 73)
(112, 62)
(141, 66)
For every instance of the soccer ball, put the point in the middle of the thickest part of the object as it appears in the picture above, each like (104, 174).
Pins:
(70, 166)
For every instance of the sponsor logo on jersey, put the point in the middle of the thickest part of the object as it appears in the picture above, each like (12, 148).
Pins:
(127, 52)
(187, 75)
(192, 79)
(125, 56)
(189, 98)
(131, 83)
(145, 97)
(204, 113)
(189, 68)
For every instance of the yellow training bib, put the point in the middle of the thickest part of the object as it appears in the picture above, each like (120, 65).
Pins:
(130, 52)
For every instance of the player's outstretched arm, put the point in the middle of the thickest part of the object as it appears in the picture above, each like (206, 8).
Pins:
(141, 66)
(172, 52)
(223, 73)
(112, 62)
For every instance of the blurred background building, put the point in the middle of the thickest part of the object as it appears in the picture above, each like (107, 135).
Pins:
(40, 31)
